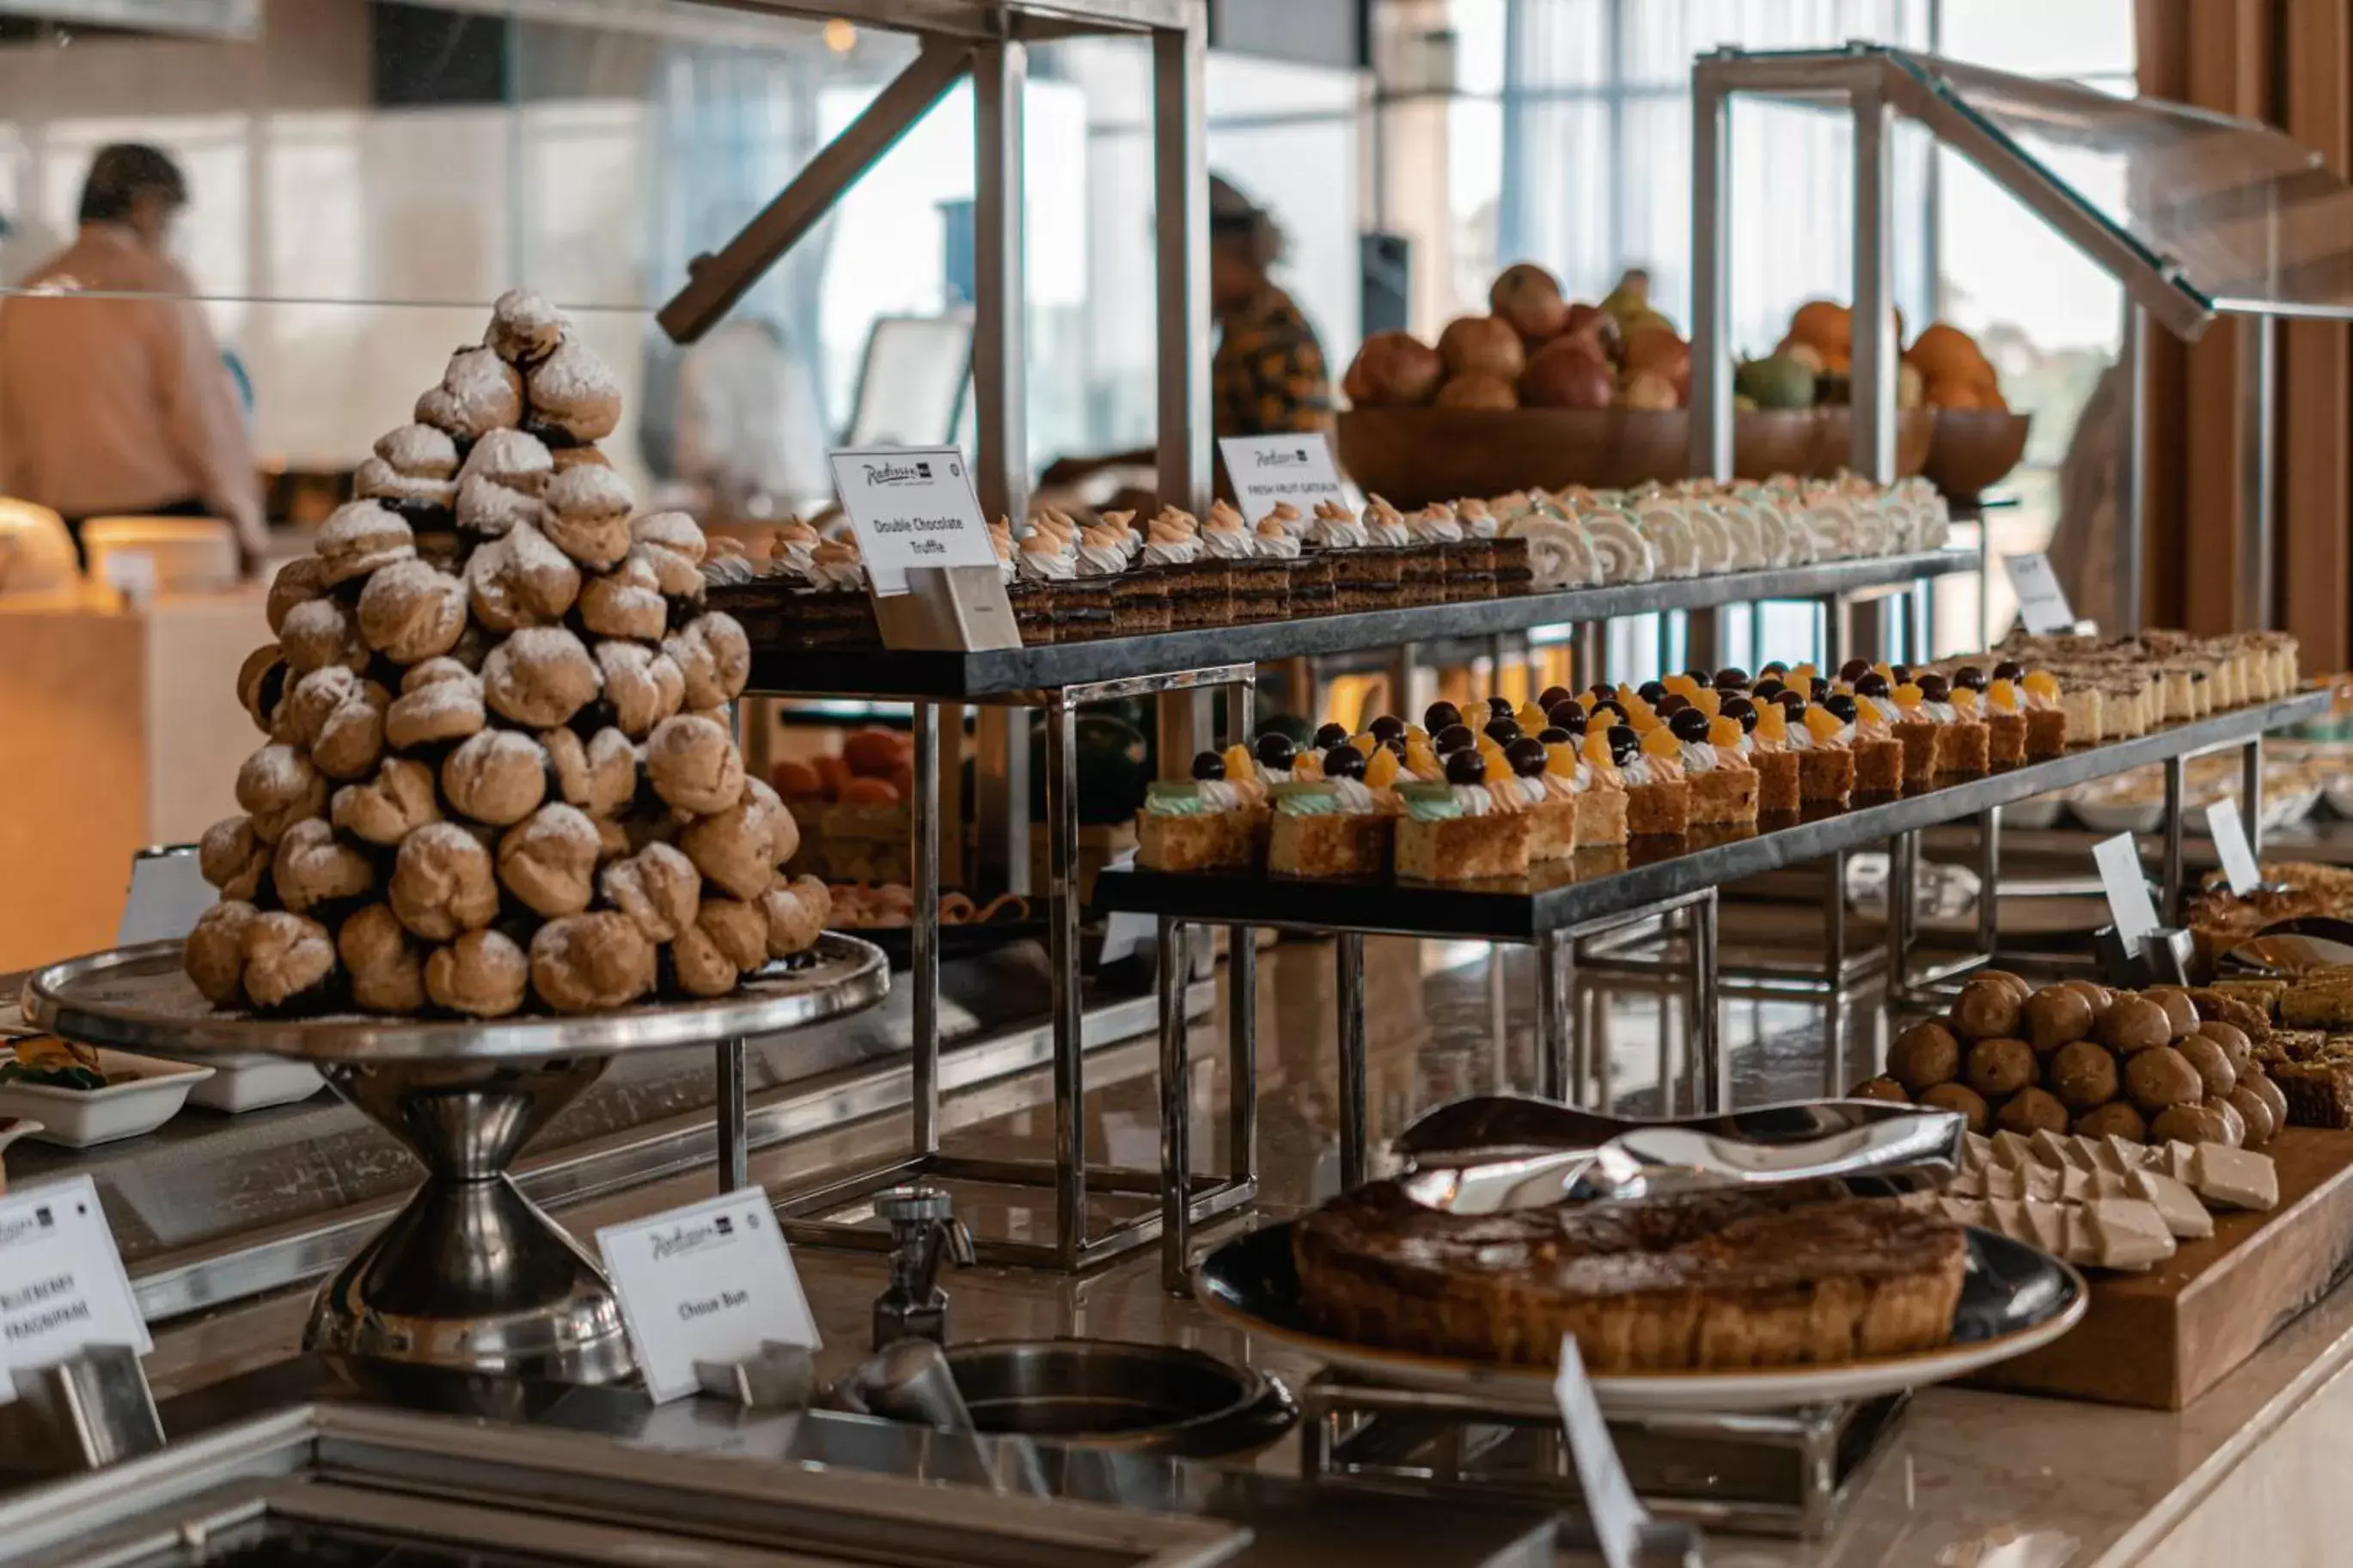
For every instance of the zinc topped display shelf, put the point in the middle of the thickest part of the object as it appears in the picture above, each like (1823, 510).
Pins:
(1013, 20)
(948, 677)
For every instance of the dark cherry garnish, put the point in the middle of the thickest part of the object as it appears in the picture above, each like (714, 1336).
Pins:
(1503, 730)
(1208, 765)
(1453, 738)
(1568, 713)
(1276, 750)
(1968, 678)
(1500, 708)
(1526, 756)
(1602, 691)
(1742, 708)
(1465, 768)
(1554, 696)
(1387, 727)
(1792, 704)
(1673, 702)
(1767, 688)
(2010, 670)
(1871, 683)
(1899, 673)
(1555, 736)
(1934, 689)
(1817, 689)
(1774, 667)
(1854, 669)
(1842, 707)
(1697, 677)
(1624, 744)
(1440, 715)
(1617, 712)
(1343, 762)
(1688, 724)
(1330, 735)
(1394, 745)
(1651, 691)
(1732, 677)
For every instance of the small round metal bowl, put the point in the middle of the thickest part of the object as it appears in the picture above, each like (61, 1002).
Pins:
(1143, 1398)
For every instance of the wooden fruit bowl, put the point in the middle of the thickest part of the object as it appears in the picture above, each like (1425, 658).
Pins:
(1412, 456)
(1975, 449)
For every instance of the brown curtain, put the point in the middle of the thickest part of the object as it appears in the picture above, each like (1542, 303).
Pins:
(2289, 62)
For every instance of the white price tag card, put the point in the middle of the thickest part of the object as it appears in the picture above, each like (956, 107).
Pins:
(1269, 468)
(62, 1286)
(2129, 905)
(1617, 1513)
(2230, 835)
(711, 1281)
(2042, 603)
(911, 506)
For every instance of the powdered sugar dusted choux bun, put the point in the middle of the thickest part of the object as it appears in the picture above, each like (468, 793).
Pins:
(643, 686)
(576, 399)
(588, 511)
(442, 882)
(479, 393)
(279, 787)
(497, 778)
(598, 775)
(539, 678)
(413, 471)
(525, 327)
(694, 764)
(548, 860)
(783, 833)
(739, 929)
(797, 915)
(714, 656)
(731, 848)
(359, 537)
(384, 963)
(314, 868)
(410, 611)
(320, 633)
(698, 965)
(214, 954)
(482, 975)
(232, 859)
(449, 707)
(587, 962)
(657, 887)
(627, 602)
(385, 809)
(520, 580)
(290, 961)
(511, 460)
(350, 742)
(297, 582)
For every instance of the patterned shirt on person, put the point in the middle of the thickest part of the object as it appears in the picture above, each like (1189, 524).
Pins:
(1269, 375)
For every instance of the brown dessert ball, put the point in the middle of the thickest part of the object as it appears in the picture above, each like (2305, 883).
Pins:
(289, 961)
(1885, 1089)
(1986, 1010)
(657, 887)
(2259, 1083)
(2090, 991)
(1961, 1097)
(2117, 1119)
(313, 867)
(2083, 1074)
(598, 775)
(2190, 1123)
(232, 859)
(2056, 1016)
(384, 809)
(2244, 1016)
(548, 860)
(2000, 1067)
(2162, 1077)
(694, 765)
(1925, 1055)
(2180, 1011)
(797, 915)
(2236, 1125)
(278, 787)
(443, 883)
(698, 966)
(584, 963)
(2133, 1024)
(2238, 1050)
(386, 969)
(741, 930)
(2212, 1063)
(482, 975)
(2031, 1110)
(2017, 982)
(498, 777)
(214, 954)
(2257, 1113)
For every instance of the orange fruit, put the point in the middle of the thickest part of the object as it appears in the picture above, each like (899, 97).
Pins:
(791, 779)
(832, 773)
(873, 753)
(1824, 323)
(1942, 350)
(870, 792)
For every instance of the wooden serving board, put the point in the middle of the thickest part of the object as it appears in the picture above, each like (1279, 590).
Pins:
(2159, 1340)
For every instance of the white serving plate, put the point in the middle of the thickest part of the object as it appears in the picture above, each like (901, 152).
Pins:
(239, 1084)
(2119, 815)
(2288, 809)
(2033, 814)
(80, 1117)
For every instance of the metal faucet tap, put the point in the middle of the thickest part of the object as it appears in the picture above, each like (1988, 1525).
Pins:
(923, 1231)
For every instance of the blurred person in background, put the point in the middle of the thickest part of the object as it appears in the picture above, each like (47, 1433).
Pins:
(121, 405)
(1267, 377)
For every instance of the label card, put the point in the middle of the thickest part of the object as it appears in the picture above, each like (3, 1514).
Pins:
(2230, 835)
(911, 506)
(62, 1285)
(2127, 889)
(1618, 1515)
(1269, 468)
(2042, 603)
(710, 1281)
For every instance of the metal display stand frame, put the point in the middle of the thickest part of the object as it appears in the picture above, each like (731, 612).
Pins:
(470, 1275)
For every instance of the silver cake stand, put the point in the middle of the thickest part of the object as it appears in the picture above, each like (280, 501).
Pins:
(469, 1274)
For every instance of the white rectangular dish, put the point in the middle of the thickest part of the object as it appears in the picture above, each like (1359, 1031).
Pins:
(151, 1093)
(241, 1084)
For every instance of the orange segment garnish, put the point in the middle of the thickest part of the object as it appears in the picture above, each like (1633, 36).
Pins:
(1821, 723)
(1681, 686)
(1415, 732)
(1498, 770)
(1381, 771)
(1708, 700)
(1965, 702)
(1772, 722)
(1596, 749)
(1804, 672)
(1240, 764)
(1366, 742)
(1307, 764)
(1907, 696)
(2041, 683)
(1419, 757)
(1725, 732)
(1560, 757)
(2003, 695)
(1660, 742)
(1531, 718)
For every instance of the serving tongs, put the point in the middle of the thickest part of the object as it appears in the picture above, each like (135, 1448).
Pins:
(1496, 1153)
